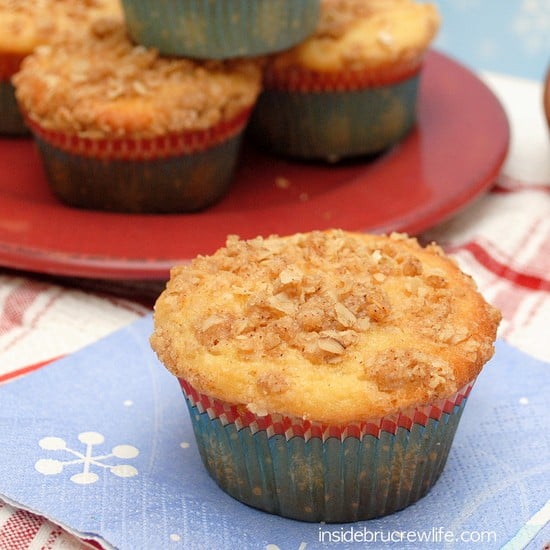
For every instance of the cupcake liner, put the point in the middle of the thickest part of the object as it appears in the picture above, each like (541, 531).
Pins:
(175, 173)
(312, 471)
(11, 119)
(218, 30)
(124, 148)
(331, 125)
(300, 79)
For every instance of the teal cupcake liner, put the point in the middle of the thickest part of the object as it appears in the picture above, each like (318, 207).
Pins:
(312, 472)
(220, 29)
(11, 119)
(177, 184)
(333, 125)
(172, 173)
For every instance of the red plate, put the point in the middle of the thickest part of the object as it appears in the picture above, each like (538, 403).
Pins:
(454, 154)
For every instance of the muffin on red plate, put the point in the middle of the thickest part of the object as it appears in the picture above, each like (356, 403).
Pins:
(25, 25)
(351, 88)
(121, 128)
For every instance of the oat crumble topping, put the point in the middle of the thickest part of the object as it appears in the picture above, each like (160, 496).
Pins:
(337, 15)
(317, 297)
(104, 85)
(26, 24)
(379, 311)
(365, 34)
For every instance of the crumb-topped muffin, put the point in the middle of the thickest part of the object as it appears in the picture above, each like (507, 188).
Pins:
(351, 340)
(351, 88)
(25, 25)
(122, 128)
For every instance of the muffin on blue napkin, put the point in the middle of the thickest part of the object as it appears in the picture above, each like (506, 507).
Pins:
(326, 372)
(351, 88)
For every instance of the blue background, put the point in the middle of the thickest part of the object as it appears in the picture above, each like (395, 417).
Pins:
(504, 36)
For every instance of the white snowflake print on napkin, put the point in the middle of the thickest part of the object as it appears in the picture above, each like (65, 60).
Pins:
(50, 466)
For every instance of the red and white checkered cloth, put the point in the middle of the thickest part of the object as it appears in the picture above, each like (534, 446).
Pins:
(502, 240)
(21, 530)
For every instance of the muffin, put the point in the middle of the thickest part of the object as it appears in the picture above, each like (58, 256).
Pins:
(121, 128)
(25, 25)
(351, 88)
(220, 30)
(326, 372)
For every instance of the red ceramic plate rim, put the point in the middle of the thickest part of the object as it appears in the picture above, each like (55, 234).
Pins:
(453, 156)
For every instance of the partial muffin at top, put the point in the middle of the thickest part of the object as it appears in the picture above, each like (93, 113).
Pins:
(123, 128)
(25, 25)
(387, 37)
(225, 29)
(351, 88)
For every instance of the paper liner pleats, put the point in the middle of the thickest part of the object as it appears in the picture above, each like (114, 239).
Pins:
(11, 119)
(141, 148)
(220, 29)
(167, 174)
(327, 124)
(12, 122)
(312, 471)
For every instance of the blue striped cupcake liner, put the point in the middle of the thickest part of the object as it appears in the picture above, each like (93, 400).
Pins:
(220, 29)
(172, 173)
(312, 472)
(333, 125)
(184, 183)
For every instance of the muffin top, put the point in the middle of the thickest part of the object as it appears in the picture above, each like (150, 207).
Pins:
(365, 34)
(331, 326)
(103, 85)
(25, 25)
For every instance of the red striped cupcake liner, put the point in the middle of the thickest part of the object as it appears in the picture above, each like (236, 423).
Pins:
(289, 427)
(298, 79)
(129, 148)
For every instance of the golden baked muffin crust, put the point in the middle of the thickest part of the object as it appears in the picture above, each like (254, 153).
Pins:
(25, 24)
(331, 326)
(104, 85)
(365, 34)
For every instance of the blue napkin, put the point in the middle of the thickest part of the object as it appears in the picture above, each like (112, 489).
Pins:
(100, 442)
